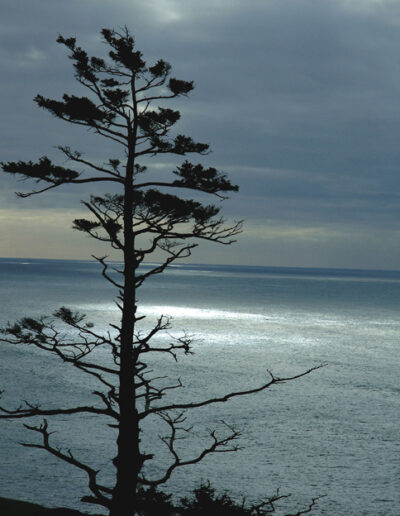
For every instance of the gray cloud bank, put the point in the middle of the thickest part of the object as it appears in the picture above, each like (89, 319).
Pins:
(299, 100)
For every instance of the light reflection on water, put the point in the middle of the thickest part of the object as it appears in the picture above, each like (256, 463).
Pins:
(333, 432)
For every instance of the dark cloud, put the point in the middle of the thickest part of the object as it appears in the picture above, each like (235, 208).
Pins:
(299, 100)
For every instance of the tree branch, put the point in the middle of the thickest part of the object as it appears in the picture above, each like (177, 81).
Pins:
(33, 411)
(98, 490)
(218, 445)
(76, 156)
(185, 406)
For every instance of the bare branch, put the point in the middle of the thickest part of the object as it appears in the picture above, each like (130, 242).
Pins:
(104, 271)
(34, 410)
(185, 406)
(76, 156)
(183, 252)
(217, 445)
(307, 509)
(98, 490)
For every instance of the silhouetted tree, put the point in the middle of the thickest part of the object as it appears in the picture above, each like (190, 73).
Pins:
(145, 217)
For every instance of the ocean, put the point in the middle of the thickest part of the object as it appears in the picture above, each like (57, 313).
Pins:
(334, 432)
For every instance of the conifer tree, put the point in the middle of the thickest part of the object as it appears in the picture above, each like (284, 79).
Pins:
(146, 217)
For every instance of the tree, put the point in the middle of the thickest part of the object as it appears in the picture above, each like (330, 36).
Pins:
(145, 216)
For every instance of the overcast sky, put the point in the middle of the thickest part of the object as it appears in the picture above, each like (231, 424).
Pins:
(299, 99)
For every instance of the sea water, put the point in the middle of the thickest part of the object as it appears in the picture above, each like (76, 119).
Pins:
(333, 432)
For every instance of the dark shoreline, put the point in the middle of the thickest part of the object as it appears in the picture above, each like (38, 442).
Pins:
(11, 507)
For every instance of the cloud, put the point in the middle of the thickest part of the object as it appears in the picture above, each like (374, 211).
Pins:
(335, 246)
(298, 99)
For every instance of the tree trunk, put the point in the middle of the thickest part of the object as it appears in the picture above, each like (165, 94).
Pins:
(129, 459)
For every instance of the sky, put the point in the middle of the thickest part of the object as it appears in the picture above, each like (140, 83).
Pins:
(299, 100)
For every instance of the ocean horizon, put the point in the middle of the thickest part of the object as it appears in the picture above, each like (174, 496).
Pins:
(266, 268)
